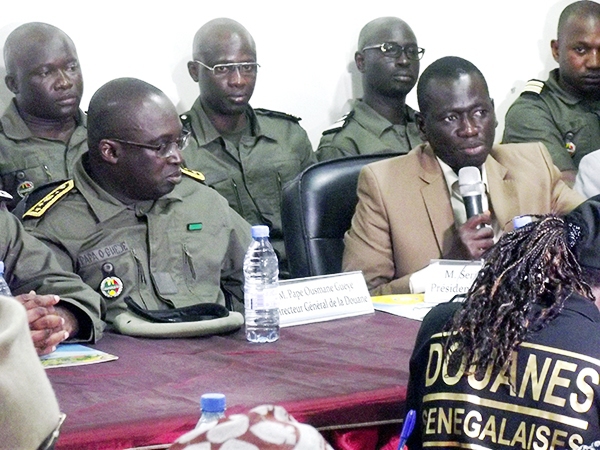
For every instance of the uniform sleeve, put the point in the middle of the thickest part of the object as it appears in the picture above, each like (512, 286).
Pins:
(368, 245)
(232, 274)
(529, 120)
(564, 199)
(31, 265)
(304, 149)
(333, 146)
(327, 150)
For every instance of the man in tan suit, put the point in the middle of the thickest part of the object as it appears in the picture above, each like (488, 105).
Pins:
(409, 209)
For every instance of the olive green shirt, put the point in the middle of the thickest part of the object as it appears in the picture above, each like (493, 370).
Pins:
(172, 252)
(567, 125)
(364, 131)
(250, 176)
(28, 161)
(30, 265)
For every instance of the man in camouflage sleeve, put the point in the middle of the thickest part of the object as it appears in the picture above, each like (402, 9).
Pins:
(42, 132)
(247, 154)
(381, 122)
(132, 222)
(562, 112)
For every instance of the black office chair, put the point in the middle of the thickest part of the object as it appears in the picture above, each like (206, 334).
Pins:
(316, 210)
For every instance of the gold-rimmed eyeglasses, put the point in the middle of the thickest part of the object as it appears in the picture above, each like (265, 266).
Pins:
(162, 150)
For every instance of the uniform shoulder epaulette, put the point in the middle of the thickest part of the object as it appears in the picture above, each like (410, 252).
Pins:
(198, 176)
(278, 114)
(533, 86)
(50, 199)
(339, 124)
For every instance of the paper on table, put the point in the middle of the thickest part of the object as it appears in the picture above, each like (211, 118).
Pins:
(67, 355)
(411, 306)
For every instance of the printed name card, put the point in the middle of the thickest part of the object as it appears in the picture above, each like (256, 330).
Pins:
(449, 278)
(322, 298)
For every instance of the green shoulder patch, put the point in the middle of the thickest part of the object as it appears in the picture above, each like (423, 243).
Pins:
(278, 114)
(533, 86)
(339, 124)
(40, 208)
(198, 176)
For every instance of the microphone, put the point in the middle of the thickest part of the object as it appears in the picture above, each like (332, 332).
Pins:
(471, 189)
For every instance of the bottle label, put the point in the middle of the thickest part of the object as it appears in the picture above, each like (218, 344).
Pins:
(262, 299)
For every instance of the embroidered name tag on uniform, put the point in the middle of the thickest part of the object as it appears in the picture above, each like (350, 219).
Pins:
(102, 253)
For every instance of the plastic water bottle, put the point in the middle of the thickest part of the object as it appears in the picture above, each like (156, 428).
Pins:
(212, 408)
(261, 278)
(4, 289)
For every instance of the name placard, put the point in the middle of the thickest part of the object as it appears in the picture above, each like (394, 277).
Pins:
(449, 278)
(322, 298)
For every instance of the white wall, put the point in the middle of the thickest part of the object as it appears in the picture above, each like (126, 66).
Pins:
(305, 48)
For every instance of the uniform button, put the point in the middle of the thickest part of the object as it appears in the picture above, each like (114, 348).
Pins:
(20, 175)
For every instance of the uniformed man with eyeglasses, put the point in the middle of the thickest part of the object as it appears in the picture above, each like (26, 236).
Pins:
(381, 122)
(246, 154)
(134, 223)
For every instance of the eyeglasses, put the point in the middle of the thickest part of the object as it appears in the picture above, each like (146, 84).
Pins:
(162, 150)
(393, 50)
(244, 68)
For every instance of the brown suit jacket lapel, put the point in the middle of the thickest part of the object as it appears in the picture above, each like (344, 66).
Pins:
(437, 200)
(503, 193)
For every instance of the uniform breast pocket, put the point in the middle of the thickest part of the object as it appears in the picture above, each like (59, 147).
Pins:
(577, 138)
(201, 259)
(113, 270)
(268, 182)
(24, 179)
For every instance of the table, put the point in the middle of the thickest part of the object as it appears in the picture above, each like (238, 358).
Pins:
(343, 373)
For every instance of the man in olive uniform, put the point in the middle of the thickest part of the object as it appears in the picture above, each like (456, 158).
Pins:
(562, 112)
(132, 222)
(42, 132)
(247, 154)
(381, 122)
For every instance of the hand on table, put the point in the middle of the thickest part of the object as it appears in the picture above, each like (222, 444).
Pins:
(49, 324)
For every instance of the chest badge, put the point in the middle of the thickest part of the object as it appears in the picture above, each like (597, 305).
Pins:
(111, 286)
(25, 188)
(569, 144)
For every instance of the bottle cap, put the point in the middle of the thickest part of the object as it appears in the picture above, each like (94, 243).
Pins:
(212, 402)
(259, 231)
(521, 221)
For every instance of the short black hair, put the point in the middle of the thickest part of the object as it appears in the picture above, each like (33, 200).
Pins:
(582, 8)
(112, 104)
(446, 68)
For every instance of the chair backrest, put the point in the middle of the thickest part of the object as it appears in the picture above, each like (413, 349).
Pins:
(317, 209)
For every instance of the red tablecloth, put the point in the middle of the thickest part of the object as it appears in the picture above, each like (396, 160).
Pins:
(337, 374)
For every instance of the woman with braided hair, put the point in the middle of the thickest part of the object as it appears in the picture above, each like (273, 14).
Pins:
(517, 364)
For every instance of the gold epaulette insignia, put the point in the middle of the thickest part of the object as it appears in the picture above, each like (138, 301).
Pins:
(40, 208)
(534, 86)
(199, 176)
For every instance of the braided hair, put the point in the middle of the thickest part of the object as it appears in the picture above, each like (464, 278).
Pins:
(523, 285)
